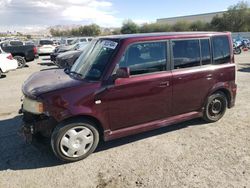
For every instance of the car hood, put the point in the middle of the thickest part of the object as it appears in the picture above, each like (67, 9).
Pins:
(47, 81)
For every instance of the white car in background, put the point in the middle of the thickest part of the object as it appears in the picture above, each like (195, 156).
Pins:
(7, 63)
(45, 47)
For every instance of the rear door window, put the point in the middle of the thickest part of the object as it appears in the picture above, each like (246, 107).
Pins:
(186, 53)
(46, 42)
(221, 49)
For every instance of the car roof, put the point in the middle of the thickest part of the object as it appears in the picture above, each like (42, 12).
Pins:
(163, 34)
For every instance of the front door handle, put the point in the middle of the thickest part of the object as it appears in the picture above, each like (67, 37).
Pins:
(164, 84)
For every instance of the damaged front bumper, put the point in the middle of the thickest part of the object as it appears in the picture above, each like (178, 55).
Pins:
(36, 124)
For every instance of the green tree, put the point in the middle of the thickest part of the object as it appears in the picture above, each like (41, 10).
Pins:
(181, 26)
(116, 31)
(236, 19)
(129, 27)
(154, 27)
(199, 26)
(28, 36)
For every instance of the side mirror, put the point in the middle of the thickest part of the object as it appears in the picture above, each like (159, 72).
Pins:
(123, 72)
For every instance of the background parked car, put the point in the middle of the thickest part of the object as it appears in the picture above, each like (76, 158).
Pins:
(71, 41)
(7, 62)
(45, 47)
(67, 41)
(67, 59)
(22, 53)
(62, 49)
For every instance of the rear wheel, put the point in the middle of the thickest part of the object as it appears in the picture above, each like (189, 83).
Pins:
(74, 140)
(1, 73)
(21, 61)
(215, 107)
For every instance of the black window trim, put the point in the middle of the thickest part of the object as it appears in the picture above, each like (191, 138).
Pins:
(167, 53)
(211, 51)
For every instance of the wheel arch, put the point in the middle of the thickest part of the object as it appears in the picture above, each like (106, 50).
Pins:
(223, 90)
(97, 123)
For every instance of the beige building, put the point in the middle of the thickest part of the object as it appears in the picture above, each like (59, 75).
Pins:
(190, 18)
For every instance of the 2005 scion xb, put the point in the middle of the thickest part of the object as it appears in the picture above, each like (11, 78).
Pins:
(127, 84)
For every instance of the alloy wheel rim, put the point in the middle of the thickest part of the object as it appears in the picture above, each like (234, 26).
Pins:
(77, 141)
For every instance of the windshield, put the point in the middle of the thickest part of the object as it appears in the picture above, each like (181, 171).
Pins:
(92, 62)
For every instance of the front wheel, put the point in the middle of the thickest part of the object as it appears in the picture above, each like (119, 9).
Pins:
(237, 51)
(215, 107)
(74, 140)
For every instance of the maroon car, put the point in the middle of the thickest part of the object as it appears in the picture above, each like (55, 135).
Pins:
(127, 84)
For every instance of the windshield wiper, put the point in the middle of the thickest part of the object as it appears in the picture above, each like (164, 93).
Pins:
(67, 71)
(76, 73)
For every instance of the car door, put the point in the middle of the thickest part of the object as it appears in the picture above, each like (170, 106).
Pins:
(192, 77)
(146, 95)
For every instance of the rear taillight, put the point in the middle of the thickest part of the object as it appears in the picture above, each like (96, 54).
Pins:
(35, 50)
(10, 57)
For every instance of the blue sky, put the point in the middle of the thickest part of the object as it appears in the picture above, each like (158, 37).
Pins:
(153, 9)
(37, 14)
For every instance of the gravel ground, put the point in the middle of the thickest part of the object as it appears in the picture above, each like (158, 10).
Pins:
(190, 154)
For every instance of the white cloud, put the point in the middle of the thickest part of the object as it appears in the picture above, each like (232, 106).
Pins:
(91, 14)
(3, 3)
(53, 12)
(45, 4)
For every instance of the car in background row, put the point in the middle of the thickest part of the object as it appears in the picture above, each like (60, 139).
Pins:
(22, 53)
(67, 59)
(61, 49)
(45, 47)
(7, 63)
(71, 41)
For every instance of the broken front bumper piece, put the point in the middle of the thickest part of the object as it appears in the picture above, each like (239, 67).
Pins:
(34, 124)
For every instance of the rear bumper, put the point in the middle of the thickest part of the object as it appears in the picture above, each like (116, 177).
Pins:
(10, 65)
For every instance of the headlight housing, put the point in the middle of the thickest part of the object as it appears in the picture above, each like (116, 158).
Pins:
(33, 106)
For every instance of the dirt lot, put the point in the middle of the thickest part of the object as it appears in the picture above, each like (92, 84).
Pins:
(191, 154)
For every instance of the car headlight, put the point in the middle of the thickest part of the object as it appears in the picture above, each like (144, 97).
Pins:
(33, 106)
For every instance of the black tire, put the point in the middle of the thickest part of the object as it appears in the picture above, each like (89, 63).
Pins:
(1, 73)
(61, 132)
(215, 107)
(21, 61)
(237, 51)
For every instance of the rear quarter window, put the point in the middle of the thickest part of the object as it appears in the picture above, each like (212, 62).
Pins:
(221, 49)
